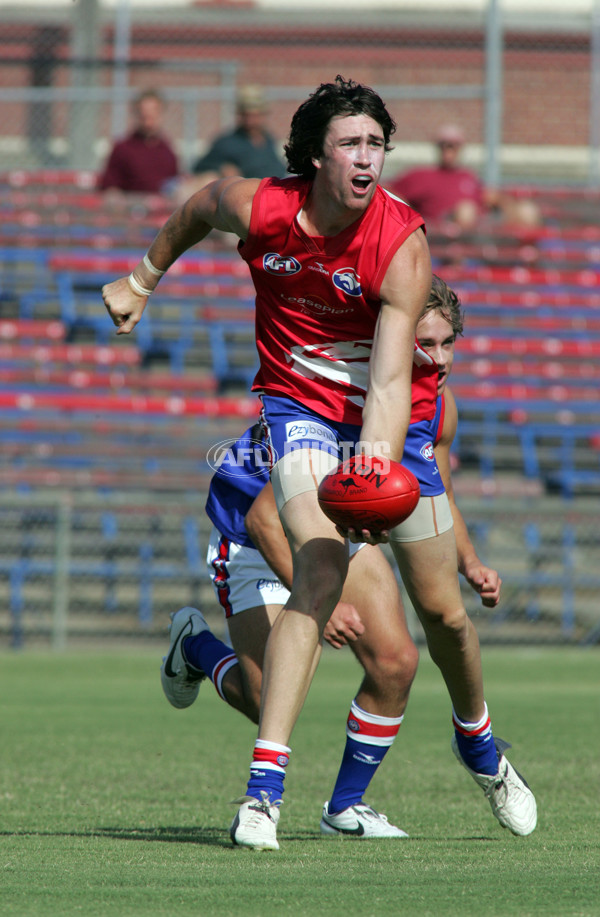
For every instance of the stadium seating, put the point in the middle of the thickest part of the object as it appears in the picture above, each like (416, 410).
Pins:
(531, 332)
(199, 315)
(132, 560)
(86, 411)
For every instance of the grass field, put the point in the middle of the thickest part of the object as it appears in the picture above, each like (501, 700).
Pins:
(113, 803)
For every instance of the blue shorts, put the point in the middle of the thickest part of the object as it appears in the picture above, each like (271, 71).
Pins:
(291, 426)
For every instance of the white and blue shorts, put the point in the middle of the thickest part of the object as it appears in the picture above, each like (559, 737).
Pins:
(241, 576)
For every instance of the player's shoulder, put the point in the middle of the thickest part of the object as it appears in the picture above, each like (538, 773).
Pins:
(280, 199)
(395, 207)
(236, 191)
(292, 185)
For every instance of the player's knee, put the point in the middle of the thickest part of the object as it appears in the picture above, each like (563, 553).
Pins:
(453, 621)
(394, 665)
(317, 591)
(410, 660)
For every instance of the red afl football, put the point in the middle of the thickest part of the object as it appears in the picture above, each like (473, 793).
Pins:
(369, 492)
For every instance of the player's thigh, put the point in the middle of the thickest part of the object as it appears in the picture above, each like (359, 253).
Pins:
(372, 588)
(295, 479)
(249, 631)
(305, 448)
(320, 554)
(429, 570)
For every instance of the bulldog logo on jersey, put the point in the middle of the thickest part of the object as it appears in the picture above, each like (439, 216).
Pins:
(274, 263)
(347, 280)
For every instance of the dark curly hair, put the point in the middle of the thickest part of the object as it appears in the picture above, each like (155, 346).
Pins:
(310, 122)
(443, 299)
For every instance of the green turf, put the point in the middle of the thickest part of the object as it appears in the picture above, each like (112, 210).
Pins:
(113, 803)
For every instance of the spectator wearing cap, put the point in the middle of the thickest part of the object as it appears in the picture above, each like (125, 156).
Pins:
(248, 150)
(449, 193)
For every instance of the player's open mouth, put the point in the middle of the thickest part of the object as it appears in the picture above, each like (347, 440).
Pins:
(362, 183)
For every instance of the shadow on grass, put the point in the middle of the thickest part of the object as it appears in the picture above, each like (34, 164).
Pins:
(219, 837)
(166, 834)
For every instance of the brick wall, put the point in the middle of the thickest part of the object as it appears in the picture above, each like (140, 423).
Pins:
(546, 83)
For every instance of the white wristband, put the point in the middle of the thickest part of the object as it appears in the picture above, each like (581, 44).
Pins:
(153, 270)
(137, 287)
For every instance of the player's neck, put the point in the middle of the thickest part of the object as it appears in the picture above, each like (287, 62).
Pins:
(324, 218)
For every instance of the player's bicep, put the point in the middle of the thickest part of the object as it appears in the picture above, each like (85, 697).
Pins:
(444, 443)
(404, 292)
(263, 514)
(442, 458)
(392, 351)
(234, 205)
(224, 204)
(407, 281)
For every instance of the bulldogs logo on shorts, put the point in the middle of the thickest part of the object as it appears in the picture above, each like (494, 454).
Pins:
(427, 452)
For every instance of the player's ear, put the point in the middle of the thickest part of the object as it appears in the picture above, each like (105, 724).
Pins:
(316, 161)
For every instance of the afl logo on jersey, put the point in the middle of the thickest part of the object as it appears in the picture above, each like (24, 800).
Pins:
(427, 452)
(274, 263)
(346, 280)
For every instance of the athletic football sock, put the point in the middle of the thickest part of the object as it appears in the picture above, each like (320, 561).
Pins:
(476, 744)
(267, 770)
(206, 653)
(368, 738)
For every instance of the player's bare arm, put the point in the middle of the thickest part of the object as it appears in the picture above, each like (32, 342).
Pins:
(266, 531)
(225, 205)
(483, 579)
(403, 293)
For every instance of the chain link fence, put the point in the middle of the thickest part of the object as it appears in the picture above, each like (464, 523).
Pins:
(524, 85)
(78, 565)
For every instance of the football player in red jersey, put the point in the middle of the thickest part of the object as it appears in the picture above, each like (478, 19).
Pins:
(252, 589)
(333, 235)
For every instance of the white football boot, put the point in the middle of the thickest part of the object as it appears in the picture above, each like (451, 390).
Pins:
(181, 681)
(255, 824)
(358, 821)
(511, 800)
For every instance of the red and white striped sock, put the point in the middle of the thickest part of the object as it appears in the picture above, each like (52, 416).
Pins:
(476, 743)
(368, 739)
(267, 770)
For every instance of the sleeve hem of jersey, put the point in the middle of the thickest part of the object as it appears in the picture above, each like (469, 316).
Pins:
(416, 223)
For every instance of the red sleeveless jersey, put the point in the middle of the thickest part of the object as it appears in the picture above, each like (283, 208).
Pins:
(317, 301)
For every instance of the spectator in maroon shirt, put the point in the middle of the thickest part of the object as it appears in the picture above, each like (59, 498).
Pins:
(144, 161)
(447, 193)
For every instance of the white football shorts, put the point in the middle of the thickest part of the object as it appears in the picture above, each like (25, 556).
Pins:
(241, 576)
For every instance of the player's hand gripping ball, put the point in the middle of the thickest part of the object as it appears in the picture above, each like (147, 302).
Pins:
(369, 492)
